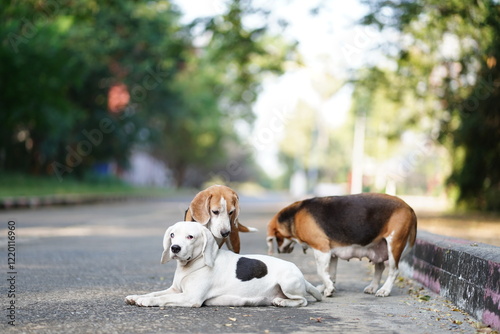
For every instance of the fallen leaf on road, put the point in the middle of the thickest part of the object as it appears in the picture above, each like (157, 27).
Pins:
(425, 298)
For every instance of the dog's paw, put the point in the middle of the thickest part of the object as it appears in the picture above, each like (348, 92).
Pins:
(327, 292)
(144, 301)
(130, 300)
(370, 289)
(382, 292)
(280, 302)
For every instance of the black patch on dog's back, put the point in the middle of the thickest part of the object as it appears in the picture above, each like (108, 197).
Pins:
(353, 219)
(247, 269)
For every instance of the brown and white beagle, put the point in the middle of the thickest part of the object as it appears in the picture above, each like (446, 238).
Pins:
(377, 226)
(217, 207)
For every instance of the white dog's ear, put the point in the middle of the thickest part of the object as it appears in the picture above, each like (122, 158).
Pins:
(167, 242)
(210, 247)
(200, 207)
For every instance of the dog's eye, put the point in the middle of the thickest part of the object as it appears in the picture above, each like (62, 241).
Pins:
(216, 212)
(231, 212)
(171, 235)
(190, 237)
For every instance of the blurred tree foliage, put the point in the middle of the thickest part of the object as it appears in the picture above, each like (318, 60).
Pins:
(60, 61)
(310, 142)
(447, 71)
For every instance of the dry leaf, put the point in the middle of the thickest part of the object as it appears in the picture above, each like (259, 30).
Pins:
(232, 319)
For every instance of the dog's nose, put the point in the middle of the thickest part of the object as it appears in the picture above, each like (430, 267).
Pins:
(175, 249)
(224, 234)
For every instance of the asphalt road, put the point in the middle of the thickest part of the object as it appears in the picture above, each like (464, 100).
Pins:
(74, 265)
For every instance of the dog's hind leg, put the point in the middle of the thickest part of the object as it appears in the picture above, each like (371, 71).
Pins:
(234, 300)
(292, 290)
(290, 302)
(377, 275)
(385, 290)
(333, 269)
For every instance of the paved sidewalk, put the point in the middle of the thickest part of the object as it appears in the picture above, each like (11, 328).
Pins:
(75, 265)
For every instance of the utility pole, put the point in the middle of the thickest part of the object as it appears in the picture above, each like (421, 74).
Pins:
(358, 154)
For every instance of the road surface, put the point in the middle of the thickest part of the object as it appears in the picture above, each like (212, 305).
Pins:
(74, 265)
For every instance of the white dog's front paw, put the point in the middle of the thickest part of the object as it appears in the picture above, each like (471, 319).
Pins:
(130, 300)
(382, 292)
(145, 301)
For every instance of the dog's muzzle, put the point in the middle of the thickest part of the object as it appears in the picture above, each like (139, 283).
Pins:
(224, 234)
(287, 246)
(175, 249)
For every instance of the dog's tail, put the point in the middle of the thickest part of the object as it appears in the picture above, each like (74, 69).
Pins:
(243, 228)
(412, 236)
(313, 291)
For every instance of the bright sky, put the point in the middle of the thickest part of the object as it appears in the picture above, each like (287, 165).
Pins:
(330, 41)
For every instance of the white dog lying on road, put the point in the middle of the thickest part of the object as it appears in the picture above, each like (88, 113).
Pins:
(207, 275)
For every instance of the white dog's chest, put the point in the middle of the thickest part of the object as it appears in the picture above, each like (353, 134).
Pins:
(375, 252)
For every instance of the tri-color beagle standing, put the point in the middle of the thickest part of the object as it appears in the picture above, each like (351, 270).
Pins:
(377, 226)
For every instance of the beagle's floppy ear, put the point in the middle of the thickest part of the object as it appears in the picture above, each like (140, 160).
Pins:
(200, 207)
(167, 242)
(271, 235)
(270, 247)
(236, 213)
(210, 247)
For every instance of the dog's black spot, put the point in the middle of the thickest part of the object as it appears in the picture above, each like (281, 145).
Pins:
(247, 269)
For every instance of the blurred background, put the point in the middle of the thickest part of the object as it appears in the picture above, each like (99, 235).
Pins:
(302, 97)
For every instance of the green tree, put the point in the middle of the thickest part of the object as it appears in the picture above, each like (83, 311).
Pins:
(447, 60)
(58, 65)
(217, 86)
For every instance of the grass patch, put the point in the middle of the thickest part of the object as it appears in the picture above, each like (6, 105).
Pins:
(20, 185)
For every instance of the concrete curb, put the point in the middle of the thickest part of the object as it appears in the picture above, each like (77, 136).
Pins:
(464, 272)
